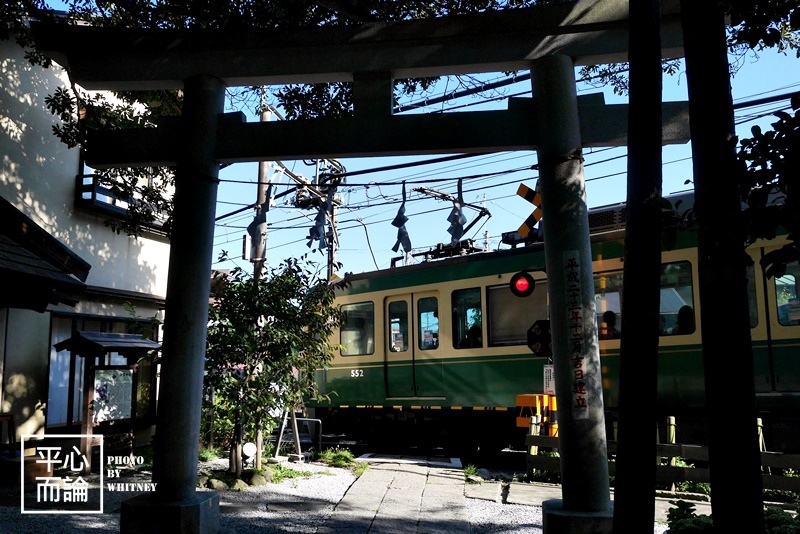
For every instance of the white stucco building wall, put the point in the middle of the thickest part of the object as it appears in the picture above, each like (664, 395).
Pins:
(38, 177)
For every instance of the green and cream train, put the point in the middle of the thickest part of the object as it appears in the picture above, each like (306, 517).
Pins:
(435, 354)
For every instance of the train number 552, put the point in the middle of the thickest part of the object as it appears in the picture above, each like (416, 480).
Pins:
(356, 373)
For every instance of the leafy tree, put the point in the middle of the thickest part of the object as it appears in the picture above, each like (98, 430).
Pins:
(266, 338)
(768, 181)
(755, 25)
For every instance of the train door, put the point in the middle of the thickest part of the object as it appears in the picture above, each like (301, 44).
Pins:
(413, 363)
(777, 361)
(398, 364)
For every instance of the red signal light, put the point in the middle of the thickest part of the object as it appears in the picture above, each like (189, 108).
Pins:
(522, 284)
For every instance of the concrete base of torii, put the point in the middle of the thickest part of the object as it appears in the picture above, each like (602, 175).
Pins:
(557, 520)
(146, 514)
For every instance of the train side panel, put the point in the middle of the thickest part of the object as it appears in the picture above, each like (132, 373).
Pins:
(446, 341)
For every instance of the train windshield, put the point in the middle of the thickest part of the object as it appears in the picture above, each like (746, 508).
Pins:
(509, 317)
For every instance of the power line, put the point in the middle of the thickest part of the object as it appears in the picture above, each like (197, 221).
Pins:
(485, 176)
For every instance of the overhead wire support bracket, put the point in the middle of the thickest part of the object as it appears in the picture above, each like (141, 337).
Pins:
(451, 198)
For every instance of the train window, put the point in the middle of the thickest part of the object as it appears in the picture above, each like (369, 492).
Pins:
(467, 331)
(509, 317)
(677, 303)
(608, 302)
(428, 321)
(357, 333)
(786, 294)
(398, 326)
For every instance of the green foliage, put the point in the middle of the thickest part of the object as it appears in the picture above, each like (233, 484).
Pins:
(779, 521)
(701, 524)
(337, 457)
(755, 25)
(13, 24)
(358, 468)
(147, 328)
(282, 472)
(218, 415)
(146, 452)
(683, 519)
(470, 471)
(542, 475)
(767, 176)
(208, 453)
(690, 486)
(147, 192)
(783, 496)
(266, 339)
(760, 25)
(616, 74)
(314, 101)
(680, 510)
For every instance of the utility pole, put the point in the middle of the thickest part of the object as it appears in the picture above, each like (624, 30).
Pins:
(258, 228)
(327, 182)
(333, 242)
(586, 504)
(258, 253)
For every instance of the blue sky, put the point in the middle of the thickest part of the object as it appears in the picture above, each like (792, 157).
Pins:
(365, 232)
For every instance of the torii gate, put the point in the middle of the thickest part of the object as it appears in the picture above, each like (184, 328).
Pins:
(549, 40)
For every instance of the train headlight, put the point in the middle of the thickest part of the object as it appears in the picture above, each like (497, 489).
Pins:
(522, 284)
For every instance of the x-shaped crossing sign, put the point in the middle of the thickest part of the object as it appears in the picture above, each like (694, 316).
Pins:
(532, 196)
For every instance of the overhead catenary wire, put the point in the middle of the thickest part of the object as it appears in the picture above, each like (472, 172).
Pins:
(748, 104)
(344, 222)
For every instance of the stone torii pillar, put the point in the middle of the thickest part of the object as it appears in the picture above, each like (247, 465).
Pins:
(586, 505)
(176, 506)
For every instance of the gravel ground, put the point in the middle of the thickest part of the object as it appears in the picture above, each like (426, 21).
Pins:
(298, 505)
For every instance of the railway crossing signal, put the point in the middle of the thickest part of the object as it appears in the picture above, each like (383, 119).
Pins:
(539, 340)
(522, 284)
(532, 196)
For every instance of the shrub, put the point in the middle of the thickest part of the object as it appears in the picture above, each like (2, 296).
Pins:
(682, 519)
(337, 457)
(208, 453)
(281, 472)
(470, 471)
(343, 458)
(541, 475)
